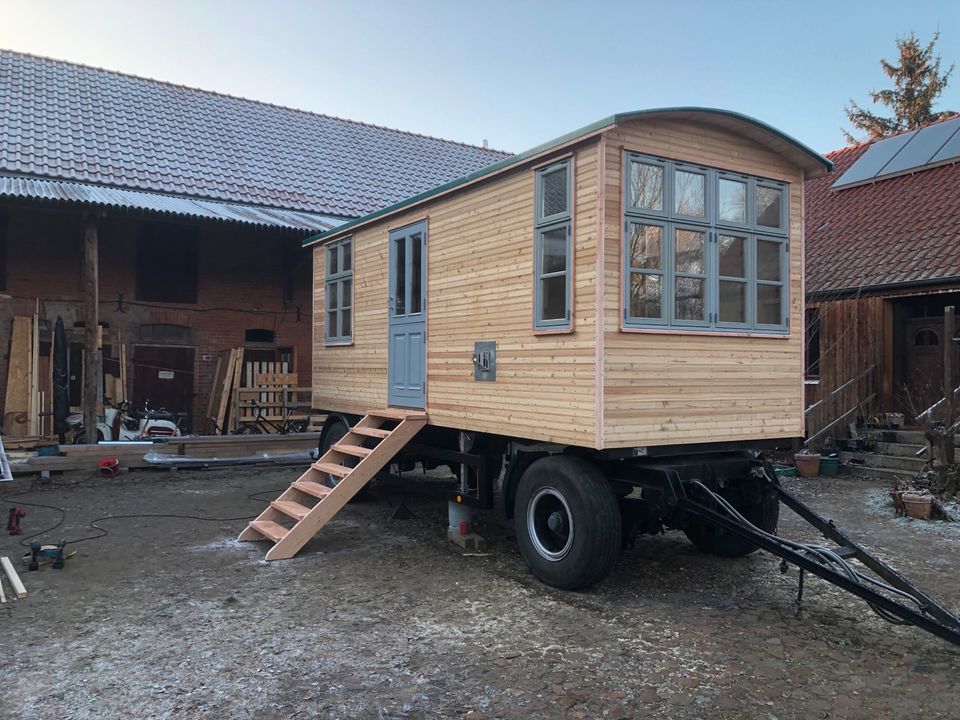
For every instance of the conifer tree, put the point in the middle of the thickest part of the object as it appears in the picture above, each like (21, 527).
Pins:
(917, 81)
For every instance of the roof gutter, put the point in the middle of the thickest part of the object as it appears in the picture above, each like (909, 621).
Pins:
(843, 293)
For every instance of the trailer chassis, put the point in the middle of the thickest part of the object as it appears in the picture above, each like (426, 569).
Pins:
(928, 614)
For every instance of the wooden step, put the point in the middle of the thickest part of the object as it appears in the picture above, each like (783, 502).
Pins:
(355, 450)
(311, 488)
(269, 529)
(287, 542)
(371, 432)
(291, 509)
(398, 414)
(332, 469)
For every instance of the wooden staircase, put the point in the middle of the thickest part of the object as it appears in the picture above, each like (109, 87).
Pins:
(309, 503)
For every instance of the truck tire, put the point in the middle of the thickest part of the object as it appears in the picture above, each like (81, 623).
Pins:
(757, 501)
(333, 433)
(567, 522)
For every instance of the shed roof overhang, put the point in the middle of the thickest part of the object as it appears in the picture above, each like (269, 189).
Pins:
(812, 163)
(86, 194)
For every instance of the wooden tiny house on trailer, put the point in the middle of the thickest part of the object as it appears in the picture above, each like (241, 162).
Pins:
(632, 289)
(623, 313)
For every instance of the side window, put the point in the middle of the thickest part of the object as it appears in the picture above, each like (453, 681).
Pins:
(703, 248)
(553, 247)
(339, 291)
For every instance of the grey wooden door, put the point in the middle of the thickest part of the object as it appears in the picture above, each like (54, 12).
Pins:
(407, 352)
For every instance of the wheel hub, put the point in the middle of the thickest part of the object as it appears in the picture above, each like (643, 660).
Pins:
(550, 524)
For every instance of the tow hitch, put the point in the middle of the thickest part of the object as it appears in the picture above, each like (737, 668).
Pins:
(886, 591)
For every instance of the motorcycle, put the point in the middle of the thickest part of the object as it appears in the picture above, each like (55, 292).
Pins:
(126, 423)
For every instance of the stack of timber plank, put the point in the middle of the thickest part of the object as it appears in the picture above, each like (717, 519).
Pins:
(27, 395)
(131, 455)
(222, 408)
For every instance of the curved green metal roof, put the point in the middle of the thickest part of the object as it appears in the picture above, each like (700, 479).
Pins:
(815, 160)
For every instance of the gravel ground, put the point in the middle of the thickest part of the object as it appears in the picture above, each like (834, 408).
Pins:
(378, 618)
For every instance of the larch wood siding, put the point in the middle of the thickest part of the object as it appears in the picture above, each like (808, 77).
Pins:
(597, 386)
(480, 253)
(689, 387)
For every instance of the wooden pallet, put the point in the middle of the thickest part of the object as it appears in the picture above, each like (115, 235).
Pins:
(310, 502)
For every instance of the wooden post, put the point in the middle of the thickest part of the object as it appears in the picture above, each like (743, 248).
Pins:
(949, 345)
(92, 364)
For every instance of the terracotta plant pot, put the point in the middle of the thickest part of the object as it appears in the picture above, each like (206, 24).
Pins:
(917, 505)
(807, 465)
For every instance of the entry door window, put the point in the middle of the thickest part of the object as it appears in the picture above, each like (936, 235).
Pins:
(407, 297)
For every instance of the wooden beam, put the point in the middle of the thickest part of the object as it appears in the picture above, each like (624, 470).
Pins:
(19, 590)
(92, 364)
(949, 348)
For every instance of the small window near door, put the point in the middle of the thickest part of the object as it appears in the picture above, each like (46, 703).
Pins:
(339, 292)
(553, 249)
(165, 334)
(258, 335)
(167, 263)
(926, 338)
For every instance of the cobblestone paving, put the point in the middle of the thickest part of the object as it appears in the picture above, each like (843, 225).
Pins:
(379, 618)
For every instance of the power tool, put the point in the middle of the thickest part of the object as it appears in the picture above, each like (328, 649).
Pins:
(47, 553)
(13, 520)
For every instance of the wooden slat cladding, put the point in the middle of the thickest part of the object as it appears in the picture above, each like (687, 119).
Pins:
(689, 387)
(595, 386)
(479, 287)
(851, 341)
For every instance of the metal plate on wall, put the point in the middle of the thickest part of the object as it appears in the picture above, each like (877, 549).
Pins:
(485, 360)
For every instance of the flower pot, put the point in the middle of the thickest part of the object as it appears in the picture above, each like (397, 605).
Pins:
(917, 505)
(829, 466)
(807, 465)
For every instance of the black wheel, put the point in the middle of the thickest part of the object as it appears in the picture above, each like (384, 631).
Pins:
(567, 522)
(81, 437)
(757, 500)
(336, 429)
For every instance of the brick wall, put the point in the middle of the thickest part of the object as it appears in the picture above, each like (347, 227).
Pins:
(240, 286)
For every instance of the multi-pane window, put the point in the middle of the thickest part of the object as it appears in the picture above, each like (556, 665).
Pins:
(339, 291)
(553, 247)
(704, 248)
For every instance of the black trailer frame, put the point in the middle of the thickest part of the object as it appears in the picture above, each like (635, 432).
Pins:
(928, 615)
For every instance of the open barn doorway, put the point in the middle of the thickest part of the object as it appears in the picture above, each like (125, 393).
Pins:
(918, 350)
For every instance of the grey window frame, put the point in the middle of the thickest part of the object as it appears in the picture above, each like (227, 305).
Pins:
(337, 281)
(666, 258)
(746, 281)
(543, 225)
(711, 225)
(705, 275)
(707, 199)
(784, 213)
(666, 192)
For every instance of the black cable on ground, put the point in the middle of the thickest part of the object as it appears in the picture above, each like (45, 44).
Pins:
(103, 532)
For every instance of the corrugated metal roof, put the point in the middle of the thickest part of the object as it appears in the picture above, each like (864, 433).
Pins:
(81, 124)
(73, 192)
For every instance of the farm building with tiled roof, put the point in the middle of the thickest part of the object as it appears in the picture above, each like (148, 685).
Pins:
(882, 263)
(195, 204)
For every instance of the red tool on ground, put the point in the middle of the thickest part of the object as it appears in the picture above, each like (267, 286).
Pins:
(13, 521)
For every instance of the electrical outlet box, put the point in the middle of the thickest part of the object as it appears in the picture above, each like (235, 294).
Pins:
(485, 361)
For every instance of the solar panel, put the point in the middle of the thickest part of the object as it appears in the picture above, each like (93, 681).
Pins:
(951, 148)
(914, 150)
(921, 149)
(873, 160)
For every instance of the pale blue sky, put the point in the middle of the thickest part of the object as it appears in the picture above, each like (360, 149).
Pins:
(515, 73)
